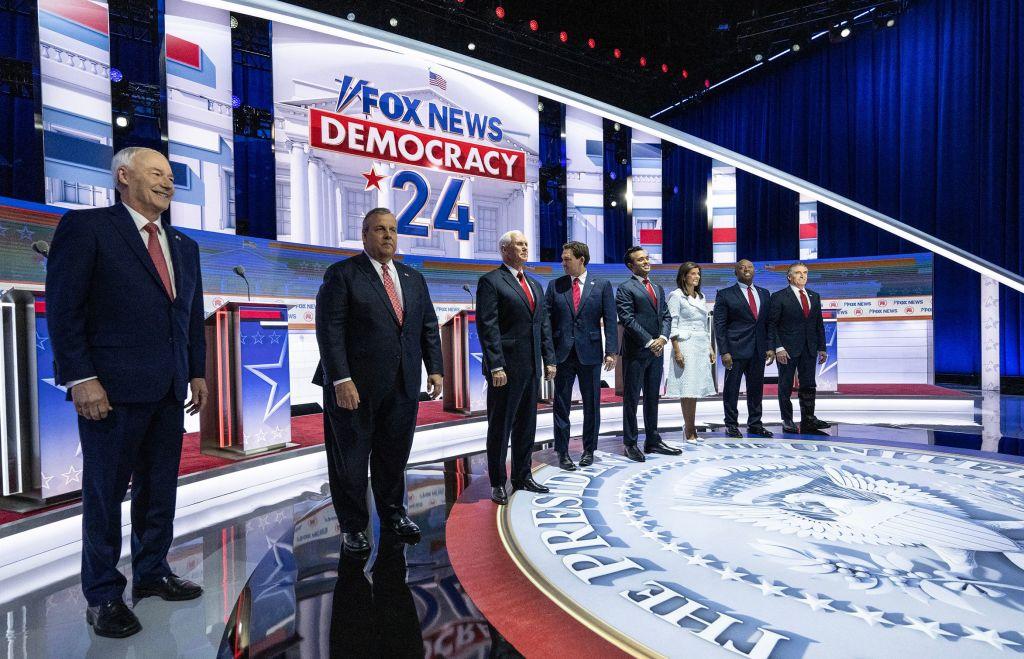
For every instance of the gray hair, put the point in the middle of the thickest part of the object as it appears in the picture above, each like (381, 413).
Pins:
(124, 158)
(372, 213)
(506, 238)
(794, 266)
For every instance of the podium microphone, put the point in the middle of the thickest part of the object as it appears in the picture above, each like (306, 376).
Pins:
(240, 271)
(42, 248)
(472, 300)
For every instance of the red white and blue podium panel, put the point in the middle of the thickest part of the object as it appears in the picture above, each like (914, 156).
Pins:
(463, 359)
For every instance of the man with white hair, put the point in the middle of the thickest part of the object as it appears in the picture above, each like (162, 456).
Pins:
(515, 337)
(124, 297)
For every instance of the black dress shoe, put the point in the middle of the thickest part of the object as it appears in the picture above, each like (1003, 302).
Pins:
(498, 496)
(404, 527)
(662, 448)
(170, 588)
(805, 430)
(759, 431)
(791, 429)
(635, 454)
(819, 424)
(355, 543)
(587, 459)
(530, 485)
(112, 619)
(565, 462)
(733, 431)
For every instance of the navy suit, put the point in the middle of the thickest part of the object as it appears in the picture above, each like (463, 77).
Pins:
(745, 338)
(802, 338)
(360, 338)
(111, 318)
(518, 340)
(579, 352)
(642, 320)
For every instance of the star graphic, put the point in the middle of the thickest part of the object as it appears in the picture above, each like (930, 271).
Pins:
(275, 337)
(729, 574)
(816, 602)
(258, 337)
(46, 480)
(652, 535)
(3, 230)
(258, 371)
(868, 615)
(25, 234)
(674, 547)
(697, 559)
(41, 342)
(373, 179)
(53, 383)
(769, 589)
(930, 628)
(989, 636)
(277, 432)
(72, 474)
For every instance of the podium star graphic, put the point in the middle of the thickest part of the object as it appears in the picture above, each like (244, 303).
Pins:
(260, 371)
(373, 179)
(72, 474)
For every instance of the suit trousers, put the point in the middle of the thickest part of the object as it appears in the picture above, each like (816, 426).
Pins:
(804, 365)
(511, 414)
(753, 370)
(590, 390)
(642, 373)
(376, 435)
(140, 442)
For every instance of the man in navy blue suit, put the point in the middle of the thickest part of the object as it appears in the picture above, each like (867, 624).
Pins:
(741, 330)
(643, 312)
(577, 303)
(124, 299)
(515, 337)
(375, 325)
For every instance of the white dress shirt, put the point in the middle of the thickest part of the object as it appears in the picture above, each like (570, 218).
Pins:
(641, 280)
(140, 224)
(379, 269)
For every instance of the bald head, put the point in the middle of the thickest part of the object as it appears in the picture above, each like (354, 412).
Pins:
(744, 272)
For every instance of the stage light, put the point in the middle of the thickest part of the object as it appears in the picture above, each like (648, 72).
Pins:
(116, 75)
(643, 61)
(534, 25)
(624, 161)
(563, 36)
(235, 102)
(686, 74)
(471, 46)
(121, 121)
(845, 32)
(707, 83)
(563, 134)
(758, 57)
(393, 22)
(617, 54)
(613, 175)
(795, 48)
(233, 22)
(890, 22)
(499, 11)
(664, 68)
(616, 127)
(613, 203)
(592, 43)
(351, 16)
(540, 106)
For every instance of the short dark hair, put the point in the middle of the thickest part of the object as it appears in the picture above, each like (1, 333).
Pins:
(681, 277)
(373, 212)
(630, 252)
(579, 250)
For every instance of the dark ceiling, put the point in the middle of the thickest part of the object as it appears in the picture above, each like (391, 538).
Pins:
(711, 40)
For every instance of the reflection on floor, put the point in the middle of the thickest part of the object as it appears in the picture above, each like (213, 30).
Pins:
(270, 571)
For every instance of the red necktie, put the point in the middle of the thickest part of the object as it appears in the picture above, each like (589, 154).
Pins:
(750, 300)
(389, 288)
(576, 294)
(157, 254)
(650, 292)
(526, 289)
(803, 303)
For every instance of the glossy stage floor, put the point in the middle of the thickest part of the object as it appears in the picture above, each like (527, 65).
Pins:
(896, 535)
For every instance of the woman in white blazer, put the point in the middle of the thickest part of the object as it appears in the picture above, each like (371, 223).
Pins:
(689, 377)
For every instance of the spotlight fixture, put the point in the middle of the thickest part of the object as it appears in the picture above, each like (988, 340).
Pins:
(534, 25)
(591, 43)
(613, 175)
(643, 61)
(236, 102)
(840, 33)
(617, 54)
(233, 22)
(540, 106)
(393, 22)
(884, 20)
(616, 126)
(613, 203)
(664, 68)
(351, 16)
(121, 121)
(759, 57)
(624, 161)
(471, 46)
(795, 48)
(116, 75)
(707, 83)
(890, 22)
(686, 74)
(563, 36)
(499, 11)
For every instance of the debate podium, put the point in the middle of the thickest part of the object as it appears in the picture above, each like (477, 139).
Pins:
(463, 359)
(248, 377)
(40, 458)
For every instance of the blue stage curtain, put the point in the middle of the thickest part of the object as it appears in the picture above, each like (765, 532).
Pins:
(686, 232)
(922, 122)
(767, 220)
(21, 137)
(553, 209)
(618, 167)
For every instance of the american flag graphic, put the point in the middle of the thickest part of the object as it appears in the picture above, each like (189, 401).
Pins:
(438, 81)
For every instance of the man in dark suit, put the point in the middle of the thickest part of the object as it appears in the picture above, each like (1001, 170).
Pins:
(577, 303)
(515, 336)
(797, 330)
(643, 312)
(375, 325)
(124, 299)
(741, 330)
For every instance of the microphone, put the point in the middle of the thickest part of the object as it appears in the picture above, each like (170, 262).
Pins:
(42, 248)
(472, 300)
(240, 271)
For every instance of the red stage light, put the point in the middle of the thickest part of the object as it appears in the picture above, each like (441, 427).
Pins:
(499, 11)
(563, 36)
(643, 61)
(534, 25)
(664, 68)
(591, 42)
(617, 53)
(707, 83)
(686, 74)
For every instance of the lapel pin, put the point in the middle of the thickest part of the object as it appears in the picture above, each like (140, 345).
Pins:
(177, 237)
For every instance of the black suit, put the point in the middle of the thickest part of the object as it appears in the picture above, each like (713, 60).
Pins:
(360, 338)
(642, 320)
(578, 349)
(802, 337)
(110, 317)
(745, 338)
(517, 339)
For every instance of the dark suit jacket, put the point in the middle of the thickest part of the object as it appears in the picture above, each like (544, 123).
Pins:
(359, 335)
(512, 337)
(108, 312)
(582, 328)
(736, 331)
(641, 321)
(787, 326)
